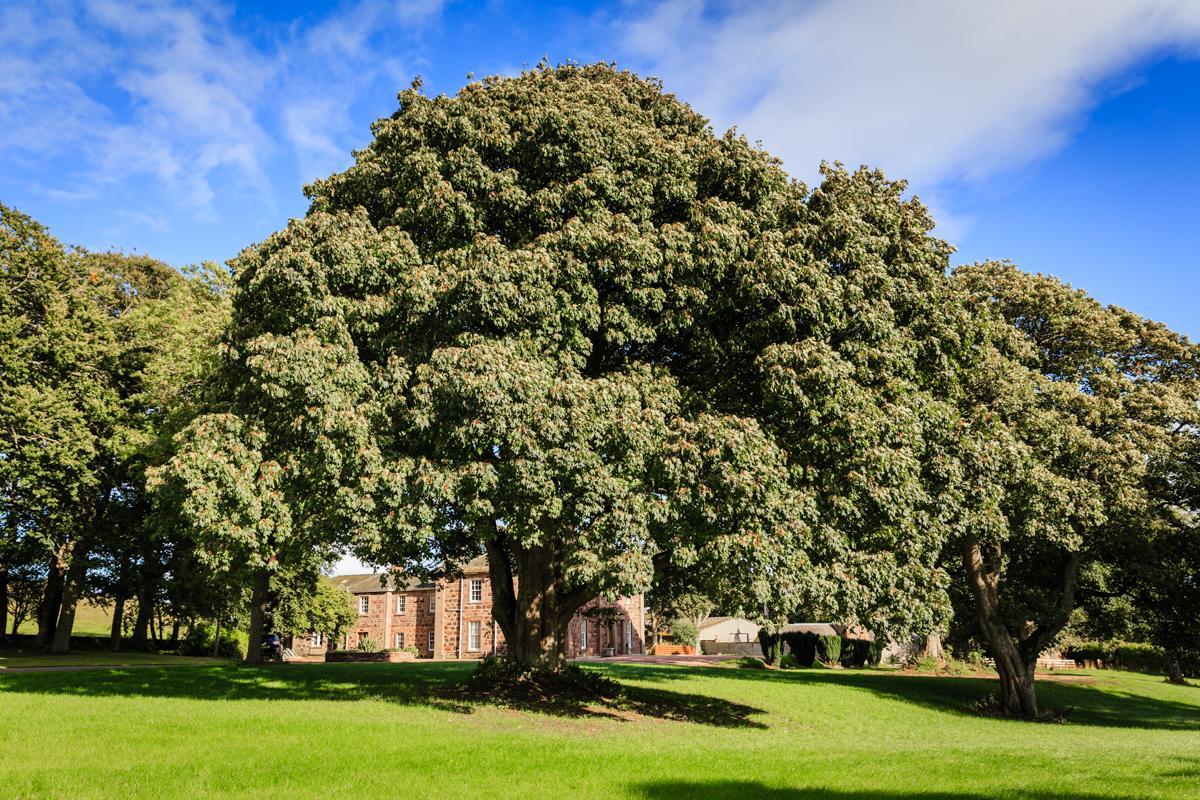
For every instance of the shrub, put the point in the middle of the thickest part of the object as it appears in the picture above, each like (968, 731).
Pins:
(803, 647)
(855, 652)
(1137, 656)
(1087, 651)
(789, 662)
(829, 649)
(684, 632)
(412, 648)
(199, 642)
(772, 646)
(925, 663)
(875, 651)
(368, 645)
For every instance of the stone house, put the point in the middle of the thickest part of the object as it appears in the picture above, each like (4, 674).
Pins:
(452, 619)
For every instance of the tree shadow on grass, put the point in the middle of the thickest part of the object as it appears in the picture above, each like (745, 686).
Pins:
(429, 684)
(1098, 704)
(736, 790)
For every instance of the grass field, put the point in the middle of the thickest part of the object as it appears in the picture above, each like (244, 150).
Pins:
(385, 730)
(90, 620)
(25, 659)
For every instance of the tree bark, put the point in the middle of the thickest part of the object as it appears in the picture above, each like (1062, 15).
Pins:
(533, 614)
(50, 604)
(72, 589)
(258, 615)
(933, 646)
(1015, 660)
(3, 604)
(141, 625)
(216, 651)
(114, 633)
(1175, 670)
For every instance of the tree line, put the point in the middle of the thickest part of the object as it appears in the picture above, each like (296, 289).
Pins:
(557, 320)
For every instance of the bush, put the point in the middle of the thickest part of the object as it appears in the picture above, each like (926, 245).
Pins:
(803, 647)
(199, 642)
(684, 632)
(789, 662)
(875, 651)
(1139, 657)
(772, 646)
(829, 649)
(855, 652)
(1087, 651)
(368, 645)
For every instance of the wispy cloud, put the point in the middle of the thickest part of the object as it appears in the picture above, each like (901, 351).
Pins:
(180, 95)
(932, 90)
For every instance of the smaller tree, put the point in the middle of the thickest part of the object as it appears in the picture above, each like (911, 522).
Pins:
(304, 604)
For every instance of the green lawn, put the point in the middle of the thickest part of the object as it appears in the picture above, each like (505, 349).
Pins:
(90, 620)
(383, 730)
(14, 659)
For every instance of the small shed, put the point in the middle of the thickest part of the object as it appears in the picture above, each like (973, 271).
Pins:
(728, 629)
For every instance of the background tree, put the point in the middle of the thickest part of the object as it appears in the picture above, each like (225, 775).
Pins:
(303, 606)
(555, 319)
(102, 355)
(1059, 417)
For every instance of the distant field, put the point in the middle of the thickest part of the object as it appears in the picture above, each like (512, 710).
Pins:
(384, 730)
(90, 620)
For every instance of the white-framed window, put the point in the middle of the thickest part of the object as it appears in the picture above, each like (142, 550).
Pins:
(364, 604)
(628, 636)
(432, 602)
(401, 603)
(474, 641)
(318, 639)
(476, 590)
(583, 634)
(399, 641)
(430, 642)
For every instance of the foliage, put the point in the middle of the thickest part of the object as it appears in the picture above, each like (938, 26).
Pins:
(103, 356)
(369, 645)
(303, 604)
(199, 640)
(829, 649)
(684, 631)
(555, 318)
(1061, 409)
(803, 647)
(772, 646)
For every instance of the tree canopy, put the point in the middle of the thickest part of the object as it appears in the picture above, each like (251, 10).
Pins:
(554, 318)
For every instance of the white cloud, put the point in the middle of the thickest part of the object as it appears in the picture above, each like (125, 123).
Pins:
(178, 93)
(929, 90)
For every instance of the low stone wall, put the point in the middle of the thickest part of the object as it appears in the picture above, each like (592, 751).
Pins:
(711, 648)
(382, 656)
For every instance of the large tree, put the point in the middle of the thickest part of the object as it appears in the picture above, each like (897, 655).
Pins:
(1061, 413)
(555, 319)
(100, 355)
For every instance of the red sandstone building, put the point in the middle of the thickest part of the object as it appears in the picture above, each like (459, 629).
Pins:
(453, 618)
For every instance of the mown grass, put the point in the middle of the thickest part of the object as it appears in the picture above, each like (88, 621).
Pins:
(90, 620)
(32, 658)
(382, 730)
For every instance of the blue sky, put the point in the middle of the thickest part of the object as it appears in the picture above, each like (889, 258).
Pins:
(1061, 136)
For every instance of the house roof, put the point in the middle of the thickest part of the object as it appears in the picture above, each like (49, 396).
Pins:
(377, 582)
(380, 582)
(711, 621)
(830, 629)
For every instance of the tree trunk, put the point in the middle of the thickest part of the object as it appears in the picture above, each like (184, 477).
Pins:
(216, 651)
(258, 615)
(175, 633)
(1174, 670)
(3, 604)
(114, 633)
(72, 589)
(141, 625)
(1015, 661)
(50, 604)
(933, 646)
(535, 613)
